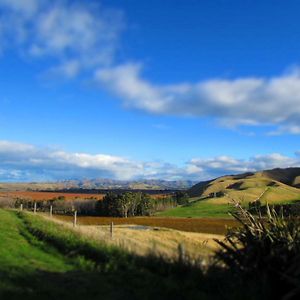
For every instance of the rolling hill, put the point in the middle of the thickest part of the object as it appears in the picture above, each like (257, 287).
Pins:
(277, 185)
(212, 198)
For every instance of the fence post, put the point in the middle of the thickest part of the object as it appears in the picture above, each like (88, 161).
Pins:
(21, 206)
(34, 208)
(51, 211)
(111, 230)
(75, 219)
(181, 252)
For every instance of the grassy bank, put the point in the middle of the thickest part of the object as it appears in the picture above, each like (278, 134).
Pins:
(44, 260)
(39, 260)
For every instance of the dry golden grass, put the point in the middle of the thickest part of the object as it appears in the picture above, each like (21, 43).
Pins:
(200, 225)
(147, 240)
(246, 188)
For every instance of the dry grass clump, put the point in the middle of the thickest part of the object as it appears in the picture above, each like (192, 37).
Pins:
(143, 240)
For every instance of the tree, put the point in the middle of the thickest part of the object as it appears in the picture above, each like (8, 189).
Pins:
(181, 197)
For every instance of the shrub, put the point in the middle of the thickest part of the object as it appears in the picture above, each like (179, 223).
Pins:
(264, 253)
(7, 202)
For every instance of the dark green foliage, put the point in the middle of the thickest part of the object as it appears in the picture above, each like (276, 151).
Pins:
(181, 197)
(285, 209)
(125, 205)
(254, 207)
(264, 253)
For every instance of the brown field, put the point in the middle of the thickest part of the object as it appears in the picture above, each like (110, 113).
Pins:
(202, 225)
(160, 196)
(41, 196)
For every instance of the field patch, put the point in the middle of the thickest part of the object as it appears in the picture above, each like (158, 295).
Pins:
(44, 196)
(201, 225)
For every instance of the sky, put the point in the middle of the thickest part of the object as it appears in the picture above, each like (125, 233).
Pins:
(131, 89)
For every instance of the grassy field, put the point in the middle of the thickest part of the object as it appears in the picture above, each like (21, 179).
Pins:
(142, 240)
(199, 209)
(42, 260)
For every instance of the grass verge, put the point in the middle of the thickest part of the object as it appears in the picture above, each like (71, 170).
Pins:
(40, 260)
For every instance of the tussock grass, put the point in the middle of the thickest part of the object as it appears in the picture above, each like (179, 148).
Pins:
(264, 253)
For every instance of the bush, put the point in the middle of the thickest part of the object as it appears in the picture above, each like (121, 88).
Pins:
(264, 253)
(7, 202)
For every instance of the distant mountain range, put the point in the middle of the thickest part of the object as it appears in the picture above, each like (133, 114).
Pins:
(101, 184)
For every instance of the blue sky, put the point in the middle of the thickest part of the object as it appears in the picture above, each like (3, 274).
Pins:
(147, 89)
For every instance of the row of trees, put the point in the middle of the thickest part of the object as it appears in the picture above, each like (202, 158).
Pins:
(126, 204)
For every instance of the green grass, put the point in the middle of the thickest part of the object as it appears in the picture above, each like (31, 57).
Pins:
(41, 260)
(202, 208)
(21, 255)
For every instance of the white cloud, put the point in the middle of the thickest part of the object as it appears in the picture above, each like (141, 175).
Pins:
(20, 162)
(242, 101)
(65, 31)
(83, 36)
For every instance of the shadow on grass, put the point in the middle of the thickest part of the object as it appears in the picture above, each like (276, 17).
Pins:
(100, 284)
(106, 273)
(97, 272)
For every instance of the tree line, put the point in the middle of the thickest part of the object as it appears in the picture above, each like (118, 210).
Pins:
(125, 204)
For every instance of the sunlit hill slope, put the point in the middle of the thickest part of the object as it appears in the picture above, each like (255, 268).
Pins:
(274, 186)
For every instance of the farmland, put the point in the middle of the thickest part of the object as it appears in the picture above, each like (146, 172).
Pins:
(203, 225)
(42, 196)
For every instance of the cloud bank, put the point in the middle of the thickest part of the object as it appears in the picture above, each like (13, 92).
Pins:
(25, 162)
(241, 101)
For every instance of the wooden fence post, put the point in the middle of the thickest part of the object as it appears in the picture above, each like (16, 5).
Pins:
(21, 206)
(75, 218)
(181, 252)
(111, 230)
(34, 208)
(51, 211)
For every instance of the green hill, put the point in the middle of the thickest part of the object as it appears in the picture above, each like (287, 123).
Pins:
(213, 198)
(274, 186)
